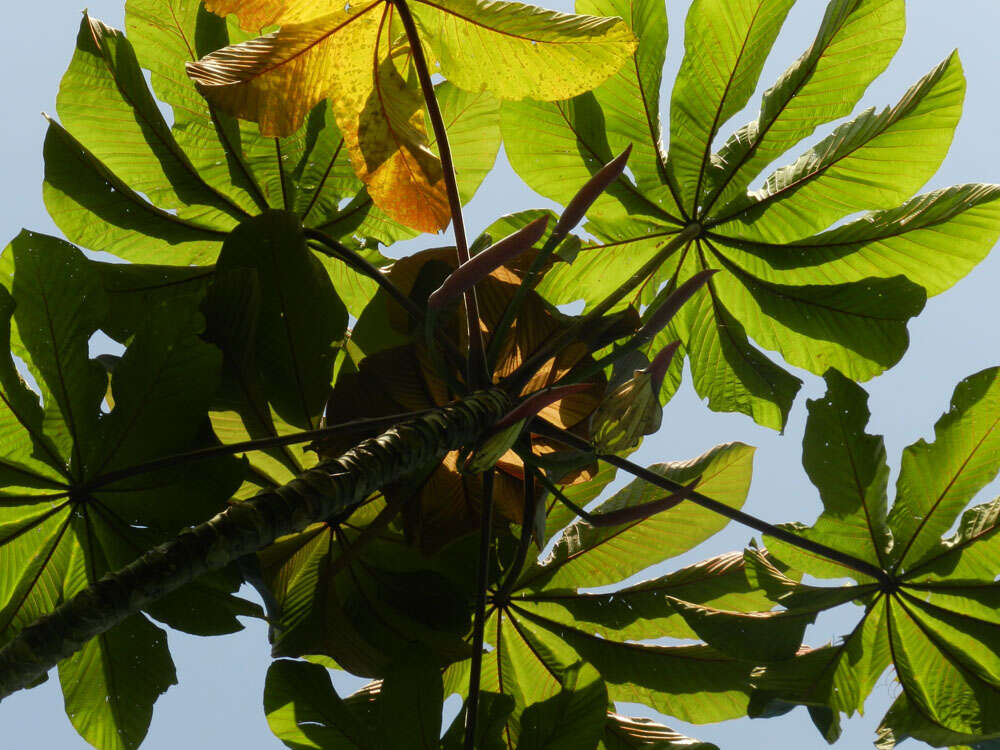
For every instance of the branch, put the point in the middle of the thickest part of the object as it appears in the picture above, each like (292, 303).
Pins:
(330, 488)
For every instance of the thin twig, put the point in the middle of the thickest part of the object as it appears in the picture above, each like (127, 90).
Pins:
(479, 626)
(374, 424)
(524, 544)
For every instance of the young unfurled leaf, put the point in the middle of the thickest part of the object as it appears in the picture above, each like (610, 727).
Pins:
(327, 53)
(633, 409)
(483, 263)
(835, 298)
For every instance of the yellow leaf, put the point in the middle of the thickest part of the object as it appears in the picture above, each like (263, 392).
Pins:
(256, 14)
(347, 56)
(351, 55)
(518, 51)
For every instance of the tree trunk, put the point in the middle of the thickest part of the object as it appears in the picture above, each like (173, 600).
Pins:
(330, 488)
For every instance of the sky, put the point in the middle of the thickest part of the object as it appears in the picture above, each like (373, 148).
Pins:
(218, 700)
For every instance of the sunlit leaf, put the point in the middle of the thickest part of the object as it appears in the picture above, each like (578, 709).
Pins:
(591, 556)
(276, 80)
(833, 299)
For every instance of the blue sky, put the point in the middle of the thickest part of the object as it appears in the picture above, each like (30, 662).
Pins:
(218, 700)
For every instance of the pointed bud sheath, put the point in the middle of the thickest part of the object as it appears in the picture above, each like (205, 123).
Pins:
(632, 410)
(657, 369)
(479, 266)
(539, 400)
(668, 309)
(507, 429)
(581, 202)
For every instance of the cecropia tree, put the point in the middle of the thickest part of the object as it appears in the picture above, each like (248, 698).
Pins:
(384, 448)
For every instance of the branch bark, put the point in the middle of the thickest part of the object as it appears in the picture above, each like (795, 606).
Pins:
(330, 488)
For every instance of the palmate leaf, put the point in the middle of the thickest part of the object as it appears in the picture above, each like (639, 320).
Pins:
(71, 509)
(171, 194)
(929, 605)
(546, 623)
(835, 298)
(547, 678)
(328, 52)
(187, 185)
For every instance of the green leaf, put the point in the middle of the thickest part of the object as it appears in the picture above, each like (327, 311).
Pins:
(110, 685)
(409, 704)
(472, 119)
(757, 636)
(206, 606)
(240, 411)
(726, 369)
(103, 100)
(132, 289)
(936, 480)
(938, 680)
(849, 468)
(934, 240)
(544, 54)
(859, 166)
(60, 303)
(630, 99)
(838, 675)
(31, 463)
(365, 607)
(323, 175)
(642, 611)
(696, 684)
(557, 146)
(161, 388)
(903, 720)
(935, 619)
(725, 45)
(970, 553)
(551, 688)
(94, 208)
(34, 554)
(108, 510)
(304, 711)
(827, 300)
(572, 718)
(300, 315)
(166, 34)
(591, 556)
(494, 712)
(822, 85)
(859, 327)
